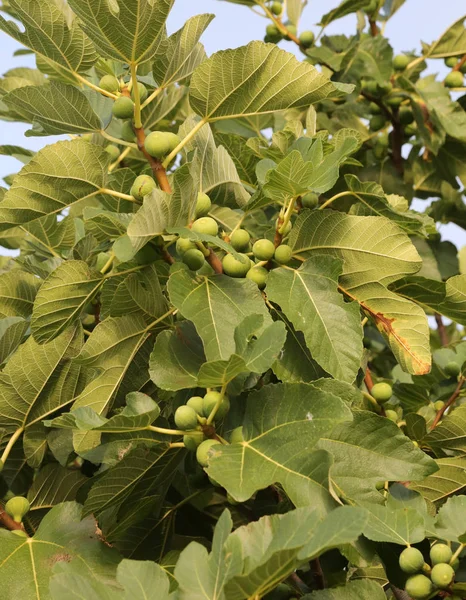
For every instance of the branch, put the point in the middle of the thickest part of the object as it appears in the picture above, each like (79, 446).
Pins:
(317, 573)
(441, 330)
(214, 261)
(459, 64)
(157, 168)
(8, 522)
(449, 403)
(374, 28)
(368, 380)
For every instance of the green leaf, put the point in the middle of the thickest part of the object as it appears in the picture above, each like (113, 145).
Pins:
(256, 79)
(449, 480)
(183, 52)
(52, 485)
(70, 585)
(216, 305)
(345, 8)
(142, 21)
(162, 106)
(309, 297)
(140, 579)
(17, 292)
(451, 518)
(139, 292)
(369, 450)
(62, 298)
(161, 210)
(105, 225)
(56, 177)
(450, 434)
(282, 424)
(55, 108)
(52, 233)
(401, 526)
(354, 590)
(371, 58)
(12, 330)
(49, 35)
(451, 43)
(375, 253)
(61, 537)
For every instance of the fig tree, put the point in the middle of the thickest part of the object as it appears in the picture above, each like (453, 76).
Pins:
(143, 93)
(310, 200)
(411, 560)
(400, 62)
(17, 508)
(263, 249)
(210, 401)
(419, 587)
(382, 392)
(259, 276)
(452, 369)
(203, 205)
(123, 108)
(442, 575)
(205, 225)
(236, 436)
(283, 254)
(196, 403)
(158, 144)
(234, 267)
(202, 452)
(183, 245)
(306, 39)
(194, 259)
(454, 79)
(240, 239)
(440, 553)
(109, 83)
(185, 418)
(113, 151)
(142, 185)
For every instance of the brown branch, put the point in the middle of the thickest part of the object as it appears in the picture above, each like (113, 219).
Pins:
(441, 330)
(459, 64)
(317, 573)
(374, 28)
(214, 261)
(7, 522)
(167, 257)
(449, 403)
(156, 165)
(368, 380)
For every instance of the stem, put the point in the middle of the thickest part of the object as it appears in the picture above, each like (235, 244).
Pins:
(164, 316)
(213, 412)
(115, 140)
(317, 573)
(459, 64)
(10, 445)
(340, 195)
(165, 431)
(415, 62)
(177, 445)
(157, 167)
(449, 403)
(214, 262)
(458, 551)
(153, 96)
(374, 28)
(441, 330)
(136, 96)
(95, 87)
(122, 156)
(8, 522)
(118, 195)
(368, 380)
(108, 264)
(49, 248)
(183, 142)
(373, 401)
(282, 27)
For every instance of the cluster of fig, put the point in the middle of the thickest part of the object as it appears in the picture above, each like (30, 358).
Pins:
(274, 35)
(425, 579)
(158, 144)
(17, 507)
(455, 78)
(382, 392)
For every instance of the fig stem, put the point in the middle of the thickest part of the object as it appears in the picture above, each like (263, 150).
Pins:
(183, 142)
(11, 443)
(115, 140)
(94, 87)
(213, 412)
(136, 96)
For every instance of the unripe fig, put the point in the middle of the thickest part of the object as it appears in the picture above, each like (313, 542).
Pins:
(283, 254)
(454, 79)
(183, 245)
(405, 114)
(451, 61)
(392, 415)
(203, 205)
(173, 140)
(463, 68)
(158, 144)
(452, 369)
(205, 225)
(263, 249)
(419, 587)
(109, 83)
(113, 151)
(382, 392)
(291, 29)
(377, 122)
(276, 8)
(442, 575)
(383, 140)
(192, 441)
(370, 86)
(127, 132)
(142, 185)
(202, 452)
(20, 532)
(385, 88)
(234, 267)
(196, 403)
(400, 62)
(374, 109)
(394, 100)
(455, 564)
(123, 108)
(307, 38)
(194, 259)
(440, 553)
(272, 30)
(17, 507)
(411, 129)
(438, 405)
(240, 239)
(185, 418)
(259, 276)
(143, 93)
(411, 560)
(209, 402)
(310, 200)
(236, 436)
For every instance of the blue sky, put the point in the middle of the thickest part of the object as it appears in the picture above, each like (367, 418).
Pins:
(237, 25)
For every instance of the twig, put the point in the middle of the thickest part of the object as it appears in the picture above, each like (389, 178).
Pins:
(449, 403)
(441, 330)
(459, 64)
(8, 522)
(368, 380)
(214, 262)
(317, 573)
(374, 28)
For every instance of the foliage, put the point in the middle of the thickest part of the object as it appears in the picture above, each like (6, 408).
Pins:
(225, 370)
